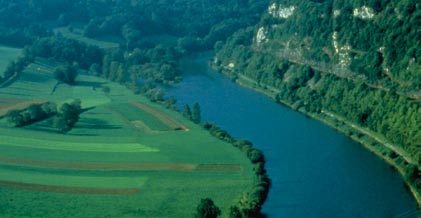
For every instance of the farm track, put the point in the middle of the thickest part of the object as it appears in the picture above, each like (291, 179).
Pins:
(70, 190)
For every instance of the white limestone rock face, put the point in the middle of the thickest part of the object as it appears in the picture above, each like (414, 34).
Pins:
(261, 36)
(364, 13)
(336, 13)
(341, 51)
(280, 11)
(272, 9)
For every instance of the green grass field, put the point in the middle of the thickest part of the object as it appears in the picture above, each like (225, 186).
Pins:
(126, 157)
(7, 54)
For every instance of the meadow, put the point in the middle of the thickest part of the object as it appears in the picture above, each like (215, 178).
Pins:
(126, 157)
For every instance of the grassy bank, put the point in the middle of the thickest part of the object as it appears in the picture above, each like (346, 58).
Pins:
(374, 142)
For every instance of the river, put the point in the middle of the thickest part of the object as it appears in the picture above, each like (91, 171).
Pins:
(315, 170)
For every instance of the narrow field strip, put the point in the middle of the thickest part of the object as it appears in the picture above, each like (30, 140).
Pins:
(73, 146)
(70, 190)
(166, 119)
(219, 167)
(39, 178)
(96, 166)
(118, 166)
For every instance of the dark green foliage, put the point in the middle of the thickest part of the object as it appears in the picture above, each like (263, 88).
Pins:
(207, 209)
(250, 204)
(196, 113)
(15, 118)
(171, 103)
(414, 174)
(255, 155)
(106, 89)
(234, 212)
(187, 112)
(67, 116)
(155, 95)
(67, 74)
(207, 21)
(32, 114)
(67, 50)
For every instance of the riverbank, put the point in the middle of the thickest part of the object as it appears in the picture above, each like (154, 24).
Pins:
(370, 140)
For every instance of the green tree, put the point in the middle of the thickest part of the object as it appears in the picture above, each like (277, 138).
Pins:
(68, 116)
(187, 111)
(207, 209)
(234, 212)
(196, 113)
(14, 118)
(67, 74)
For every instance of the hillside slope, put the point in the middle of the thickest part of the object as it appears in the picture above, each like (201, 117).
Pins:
(353, 64)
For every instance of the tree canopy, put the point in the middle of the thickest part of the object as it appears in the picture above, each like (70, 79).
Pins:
(207, 209)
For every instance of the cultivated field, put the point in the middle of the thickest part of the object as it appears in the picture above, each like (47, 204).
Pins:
(124, 158)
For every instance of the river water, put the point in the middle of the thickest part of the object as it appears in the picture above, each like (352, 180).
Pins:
(315, 170)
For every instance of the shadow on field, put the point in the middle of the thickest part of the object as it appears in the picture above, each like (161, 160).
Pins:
(41, 128)
(90, 84)
(81, 134)
(24, 89)
(35, 77)
(14, 94)
(91, 123)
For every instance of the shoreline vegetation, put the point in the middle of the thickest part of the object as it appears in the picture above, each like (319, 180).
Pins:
(250, 204)
(373, 143)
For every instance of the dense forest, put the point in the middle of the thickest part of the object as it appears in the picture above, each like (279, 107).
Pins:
(357, 60)
(195, 24)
